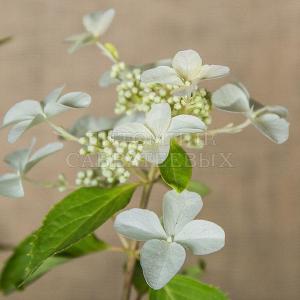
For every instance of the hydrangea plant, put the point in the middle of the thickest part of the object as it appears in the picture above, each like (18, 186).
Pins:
(162, 110)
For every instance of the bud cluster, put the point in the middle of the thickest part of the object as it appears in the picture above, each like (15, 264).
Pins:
(114, 157)
(88, 178)
(134, 95)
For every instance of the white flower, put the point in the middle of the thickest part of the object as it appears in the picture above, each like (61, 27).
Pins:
(163, 254)
(186, 72)
(28, 113)
(22, 161)
(96, 24)
(158, 129)
(269, 120)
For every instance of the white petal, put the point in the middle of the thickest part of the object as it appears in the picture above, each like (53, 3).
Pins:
(202, 237)
(54, 95)
(231, 98)
(132, 132)
(281, 111)
(185, 124)
(179, 209)
(18, 159)
(187, 63)
(98, 22)
(80, 40)
(158, 119)
(53, 108)
(161, 74)
(139, 224)
(156, 153)
(273, 127)
(11, 185)
(161, 261)
(75, 100)
(213, 71)
(21, 111)
(42, 153)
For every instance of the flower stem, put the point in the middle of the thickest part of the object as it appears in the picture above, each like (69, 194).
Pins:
(63, 133)
(131, 262)
(229, 128)
(106, 52)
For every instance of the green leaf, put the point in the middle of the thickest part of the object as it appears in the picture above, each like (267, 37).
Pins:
(14, 271)
(186, 288)
(76, 216)
(198, 187)
(138, 280)
(176, 170)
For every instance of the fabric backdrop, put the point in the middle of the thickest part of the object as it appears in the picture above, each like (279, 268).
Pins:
(256, 201)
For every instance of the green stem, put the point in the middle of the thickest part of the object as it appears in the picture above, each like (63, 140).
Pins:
(106, 52)
(130, 266)
(63, 133)
(229, 128)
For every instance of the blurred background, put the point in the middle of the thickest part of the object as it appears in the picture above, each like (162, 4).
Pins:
(256, 200)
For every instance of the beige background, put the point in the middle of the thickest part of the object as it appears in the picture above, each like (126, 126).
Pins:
(256, 202)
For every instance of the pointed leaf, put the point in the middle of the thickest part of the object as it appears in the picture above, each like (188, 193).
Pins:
(15, 268)
(176, 170)
(76, 216)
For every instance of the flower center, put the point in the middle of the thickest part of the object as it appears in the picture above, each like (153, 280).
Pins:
(169, 239)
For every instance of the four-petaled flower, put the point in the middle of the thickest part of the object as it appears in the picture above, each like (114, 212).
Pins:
(158, 129)
(163, 254)
(96, 24)
(28, 113)
(186, 72)
(269, 120)
(22, 161)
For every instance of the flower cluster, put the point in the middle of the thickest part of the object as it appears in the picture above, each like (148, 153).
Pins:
(157, 131)
(134, 95)
(163, 253)
(114, 157)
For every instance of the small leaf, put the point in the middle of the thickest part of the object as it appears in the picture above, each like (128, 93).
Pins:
(76, 216)
(176, 170)
(138, 280)
(186, 288)
(14, 270)
(198, 187)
